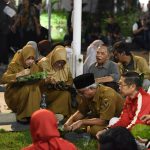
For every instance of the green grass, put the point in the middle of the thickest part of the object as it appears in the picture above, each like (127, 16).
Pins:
(14, 140)
(18, 140)
(58, 24)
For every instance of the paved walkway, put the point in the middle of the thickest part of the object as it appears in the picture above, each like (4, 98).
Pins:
(3, 105)
(8, 118)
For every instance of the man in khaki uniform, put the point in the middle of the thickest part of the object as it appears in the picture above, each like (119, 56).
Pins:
(101, 102)
(129, 62)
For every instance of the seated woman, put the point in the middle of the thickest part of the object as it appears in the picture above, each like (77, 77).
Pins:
(37, 53)
(58, 100)
(22, 98)
(44, 132)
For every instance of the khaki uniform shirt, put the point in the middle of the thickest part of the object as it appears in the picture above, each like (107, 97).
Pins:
(107, 103)
(140, 65)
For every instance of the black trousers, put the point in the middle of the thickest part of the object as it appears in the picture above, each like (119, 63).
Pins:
(4, 50)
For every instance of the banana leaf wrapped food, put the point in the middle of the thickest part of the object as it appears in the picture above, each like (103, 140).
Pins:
(141, 130)
(33, 77)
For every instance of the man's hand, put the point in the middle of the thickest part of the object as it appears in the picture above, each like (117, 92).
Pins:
(100, 133)
(74, 121)
(76, 125)
(146, 119)
(141, 140)
(67, 127)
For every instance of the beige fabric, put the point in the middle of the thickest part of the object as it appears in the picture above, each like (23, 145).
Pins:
(27, 52)
(140, 65)
(58, 101)
(59, 53)
(22, 54)
(22, 98)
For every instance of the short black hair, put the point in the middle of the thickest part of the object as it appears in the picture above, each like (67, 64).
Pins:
(132, 77)
(122, 47)
(118, 138)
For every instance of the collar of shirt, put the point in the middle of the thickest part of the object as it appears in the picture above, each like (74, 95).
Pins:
(130, 64)
(129, 100)
(134, 99)
(105, 65)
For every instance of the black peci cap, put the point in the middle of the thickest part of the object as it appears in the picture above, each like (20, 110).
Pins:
(84, 80)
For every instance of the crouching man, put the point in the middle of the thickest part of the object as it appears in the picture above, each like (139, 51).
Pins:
(101, 102)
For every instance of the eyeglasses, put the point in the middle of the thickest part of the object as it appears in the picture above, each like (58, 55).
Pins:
(123, 85)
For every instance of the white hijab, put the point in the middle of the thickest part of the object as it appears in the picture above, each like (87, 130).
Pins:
(91, 55)
(34, 45)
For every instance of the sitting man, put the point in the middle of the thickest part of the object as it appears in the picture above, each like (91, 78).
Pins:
(137, 102)
(91, 54)
(128, 61)
(105, 71)
(101, 103)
